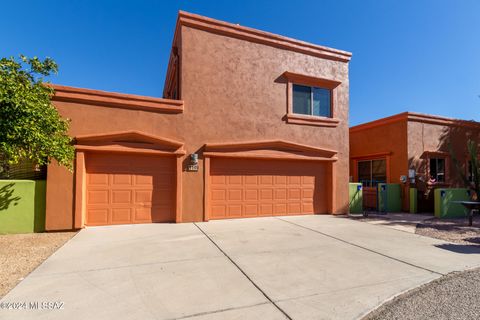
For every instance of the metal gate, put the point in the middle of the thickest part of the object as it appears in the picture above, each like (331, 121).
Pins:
(370, 198)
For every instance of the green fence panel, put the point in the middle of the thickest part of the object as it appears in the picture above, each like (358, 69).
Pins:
(444, 202)
(389, 197)
(22, 206)
(356, 197)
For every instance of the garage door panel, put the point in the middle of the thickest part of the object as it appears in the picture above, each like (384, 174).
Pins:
(280, 194)
(251, 195)
(306, 180)
(143, 180)
(307, 207)
(218, 180)
(307, 193)
(143, 214)
(235, 180)
(234, 195)
(251, 180)
(294, 208)
(280, 209)
(266, 194)
(129, 189)
(98, 216)
(294, 180)
(266, 180)
(97, 179)
(121, 215)
(143, 196)
(250, 188)
(162, 197)
(266, 209)
(97, 197)
(280, 180)
(121, 196)
(234, 210)
(219, 194)
(121, 180)
(219, 211)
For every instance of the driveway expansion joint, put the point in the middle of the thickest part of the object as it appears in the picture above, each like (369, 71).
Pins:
(361, 247)
(244, 273)
(219, 311)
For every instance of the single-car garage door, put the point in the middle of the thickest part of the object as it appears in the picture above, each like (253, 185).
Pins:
(251, 188)
(131, 188)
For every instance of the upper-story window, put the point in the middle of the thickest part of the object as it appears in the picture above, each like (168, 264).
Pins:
(312, 101)
(437, 169)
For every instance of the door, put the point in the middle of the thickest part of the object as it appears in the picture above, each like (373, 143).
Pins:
(129, 188)
(371, 172)
(252, 188)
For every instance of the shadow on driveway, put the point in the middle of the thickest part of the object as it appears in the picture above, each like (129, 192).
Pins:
(460, 248)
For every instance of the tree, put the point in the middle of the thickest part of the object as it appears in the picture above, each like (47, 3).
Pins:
(30, 126)
(474, 182)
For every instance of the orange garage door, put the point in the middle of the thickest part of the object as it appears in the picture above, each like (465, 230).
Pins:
(252, 188)
(129, 189)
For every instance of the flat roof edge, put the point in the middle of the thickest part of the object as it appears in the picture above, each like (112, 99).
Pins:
(258, 36)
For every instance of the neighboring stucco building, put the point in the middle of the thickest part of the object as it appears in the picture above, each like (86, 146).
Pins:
(384, 150)
(266, 115)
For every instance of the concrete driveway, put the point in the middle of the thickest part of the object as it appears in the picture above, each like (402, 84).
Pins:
(302, 267)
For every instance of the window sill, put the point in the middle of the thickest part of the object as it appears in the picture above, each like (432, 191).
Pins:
(312, 120)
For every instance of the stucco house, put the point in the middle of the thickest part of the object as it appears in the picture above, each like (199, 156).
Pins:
(386, 149)
(251, 124)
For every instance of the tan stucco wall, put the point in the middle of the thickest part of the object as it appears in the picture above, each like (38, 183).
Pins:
(428, 137)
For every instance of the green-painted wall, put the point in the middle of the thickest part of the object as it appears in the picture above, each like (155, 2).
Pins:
(356, 197)
(444, 206)
(413, 200)
(389, 200)
(22, 206)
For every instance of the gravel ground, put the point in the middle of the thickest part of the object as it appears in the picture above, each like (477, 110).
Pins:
(20, 254)
(452, 230)
(454, 296)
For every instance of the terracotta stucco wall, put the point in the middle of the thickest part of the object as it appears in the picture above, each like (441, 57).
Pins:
(389, 138)
(89, 119)
(234, 92)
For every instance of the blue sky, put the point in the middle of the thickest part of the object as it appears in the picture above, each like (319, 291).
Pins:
(421, 56)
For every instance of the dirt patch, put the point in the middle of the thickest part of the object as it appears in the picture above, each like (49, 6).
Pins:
(452, 230)
(20, 254)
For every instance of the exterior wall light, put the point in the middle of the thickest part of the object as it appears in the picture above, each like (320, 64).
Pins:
(193, 165)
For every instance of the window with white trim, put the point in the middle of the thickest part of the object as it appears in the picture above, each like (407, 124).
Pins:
(313, 101)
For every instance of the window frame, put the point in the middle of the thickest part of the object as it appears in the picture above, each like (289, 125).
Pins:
(309, 81)
(446, 171)
(330, 91)
(371, 160)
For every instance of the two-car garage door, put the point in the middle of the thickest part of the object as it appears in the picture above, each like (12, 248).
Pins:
(123, 188)
(251, 188)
